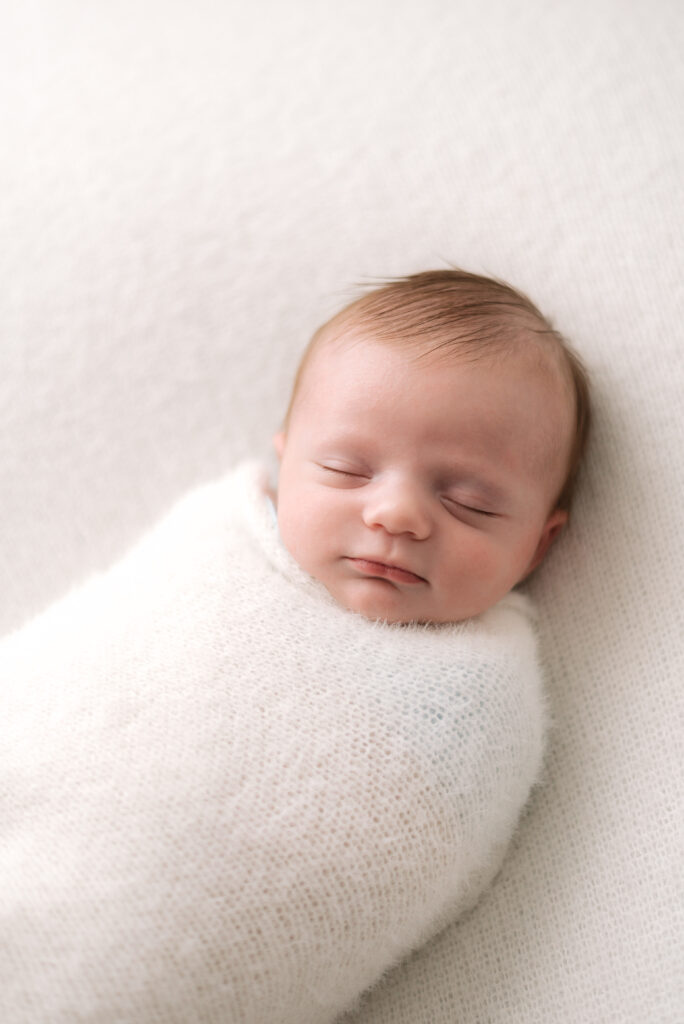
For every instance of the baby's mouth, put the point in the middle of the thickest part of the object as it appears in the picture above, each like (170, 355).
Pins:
(380, 570)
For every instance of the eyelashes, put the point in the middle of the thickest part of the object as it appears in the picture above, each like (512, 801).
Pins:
(451, 503)
(349, 473)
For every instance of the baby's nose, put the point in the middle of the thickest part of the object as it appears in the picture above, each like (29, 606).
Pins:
(397, 507)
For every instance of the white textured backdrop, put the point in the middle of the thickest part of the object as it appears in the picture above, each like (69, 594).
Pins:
(187, 189)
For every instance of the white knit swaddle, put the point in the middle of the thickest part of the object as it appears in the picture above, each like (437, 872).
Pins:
(228, 800)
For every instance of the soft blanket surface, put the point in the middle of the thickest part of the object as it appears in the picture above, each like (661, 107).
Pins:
(228, 799)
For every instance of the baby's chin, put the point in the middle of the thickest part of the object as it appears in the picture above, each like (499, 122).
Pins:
(380, 601)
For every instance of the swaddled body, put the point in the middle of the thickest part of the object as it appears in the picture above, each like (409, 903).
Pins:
(255, 764)
(229, 799)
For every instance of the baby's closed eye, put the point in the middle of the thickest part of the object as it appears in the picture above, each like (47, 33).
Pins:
(455, 506)
(340, 474)
(344, 471)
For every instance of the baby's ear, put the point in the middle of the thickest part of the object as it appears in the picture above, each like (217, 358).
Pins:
(552, 527)
(279, 443)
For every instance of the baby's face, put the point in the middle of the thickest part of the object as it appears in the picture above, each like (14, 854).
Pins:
(420, 490)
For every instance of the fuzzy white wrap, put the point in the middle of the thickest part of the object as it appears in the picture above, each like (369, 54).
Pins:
(226, 799)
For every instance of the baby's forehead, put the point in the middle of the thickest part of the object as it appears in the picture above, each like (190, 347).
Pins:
(540, 366)
(542, 362)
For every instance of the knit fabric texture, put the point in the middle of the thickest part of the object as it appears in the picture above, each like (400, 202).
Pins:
(230, 800)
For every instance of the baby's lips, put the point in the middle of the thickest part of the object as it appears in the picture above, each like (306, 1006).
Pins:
(394, 573)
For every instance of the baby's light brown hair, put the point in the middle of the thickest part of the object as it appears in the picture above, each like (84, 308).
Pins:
(445, 311)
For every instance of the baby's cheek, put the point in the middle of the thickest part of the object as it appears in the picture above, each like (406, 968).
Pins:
(292, 529)
(485, 562)
(478, 553)
(302, 530)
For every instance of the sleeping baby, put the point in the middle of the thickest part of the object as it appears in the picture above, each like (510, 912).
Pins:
(288, 737)
(430, 448)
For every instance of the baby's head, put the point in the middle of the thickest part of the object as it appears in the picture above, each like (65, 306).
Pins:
(430, 450)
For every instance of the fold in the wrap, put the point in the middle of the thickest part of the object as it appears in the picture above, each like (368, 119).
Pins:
(225, 799)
